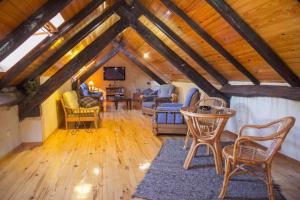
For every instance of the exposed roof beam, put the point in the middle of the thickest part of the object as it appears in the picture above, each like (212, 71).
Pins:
(183, 45)
(292, 93)
(30, 26)
(170, 55)
(217, 46)
(95, 67)
(145, 69)
(73, 42)
(255, 41)
(39, 50)
(69, 69)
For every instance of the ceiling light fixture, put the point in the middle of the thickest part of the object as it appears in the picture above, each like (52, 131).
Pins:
(146, 55)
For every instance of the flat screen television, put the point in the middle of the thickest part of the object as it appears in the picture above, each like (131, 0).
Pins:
(114, 73)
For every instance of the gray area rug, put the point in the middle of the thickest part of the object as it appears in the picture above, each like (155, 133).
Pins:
(167, 180)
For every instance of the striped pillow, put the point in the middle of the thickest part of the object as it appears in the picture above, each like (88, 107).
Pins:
(88, 102)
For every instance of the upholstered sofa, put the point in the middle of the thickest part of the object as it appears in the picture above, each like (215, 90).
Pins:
(165, 94)
(167, 118)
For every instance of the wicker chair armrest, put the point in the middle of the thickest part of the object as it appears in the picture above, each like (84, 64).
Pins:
(252, 126)
(82, 110)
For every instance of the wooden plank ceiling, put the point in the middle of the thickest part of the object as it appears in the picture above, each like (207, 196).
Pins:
(276, 21)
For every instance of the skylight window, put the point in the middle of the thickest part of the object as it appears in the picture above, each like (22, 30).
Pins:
(57, 21)
(30, 43)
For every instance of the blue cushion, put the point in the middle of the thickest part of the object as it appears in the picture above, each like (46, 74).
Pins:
(189, 96)
(147, 91)
(149, 97)
(171, 108)
(84, 89)
(166, 90)
(168, 117)
(149, 104)
(171, 105)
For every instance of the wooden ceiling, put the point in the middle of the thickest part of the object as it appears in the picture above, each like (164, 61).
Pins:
(276, 21)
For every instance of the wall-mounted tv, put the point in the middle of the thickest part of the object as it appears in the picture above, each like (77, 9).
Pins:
(114, 73)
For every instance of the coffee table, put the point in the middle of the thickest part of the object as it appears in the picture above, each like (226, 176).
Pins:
(123, 99)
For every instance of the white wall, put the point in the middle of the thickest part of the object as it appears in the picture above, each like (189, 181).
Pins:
(51, 110)
(9, 129)
(31, 130)
(258, 110)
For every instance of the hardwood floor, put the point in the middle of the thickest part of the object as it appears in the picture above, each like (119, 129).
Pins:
(104, 164)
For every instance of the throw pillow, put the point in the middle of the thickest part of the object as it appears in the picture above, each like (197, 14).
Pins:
(88, 102)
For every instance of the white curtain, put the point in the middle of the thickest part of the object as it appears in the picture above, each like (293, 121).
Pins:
(260, 110)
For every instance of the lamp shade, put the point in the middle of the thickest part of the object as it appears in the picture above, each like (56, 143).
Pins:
(91, 83)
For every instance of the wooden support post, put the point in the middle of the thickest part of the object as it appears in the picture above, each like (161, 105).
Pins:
(255, 41)
(95, 67)
(49, 41)
(73, 42)
(217, 46)
(183, 45)
(145, 69)
(69, 69)
(30, 26)
(170, 55)
(285, 92)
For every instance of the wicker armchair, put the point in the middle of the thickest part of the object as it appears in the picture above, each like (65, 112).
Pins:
(246, 156)
(75, 113)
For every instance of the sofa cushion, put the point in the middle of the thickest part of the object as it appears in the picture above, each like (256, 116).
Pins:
(166, 90)
(147, 91)
(148, 104)
(88, 102)
(70, 99)
(84, 90)
(168, 118)
(171, 105)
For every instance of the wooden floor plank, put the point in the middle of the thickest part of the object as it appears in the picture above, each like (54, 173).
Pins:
(104, 164)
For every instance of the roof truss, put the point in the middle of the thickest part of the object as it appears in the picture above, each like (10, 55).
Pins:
(255, 41)
(30, 26)
(65, 73)
(39, 50)
(145, 69)
(217, 46)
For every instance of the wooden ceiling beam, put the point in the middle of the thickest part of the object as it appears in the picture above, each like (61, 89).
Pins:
(69, 69)
(255, 41)
(170, 55)
(30, 26)
(95, 67)
(73, 42)
(183, 45)
(145, 69)
(285, 92)
(217, 46)
(49, 41)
